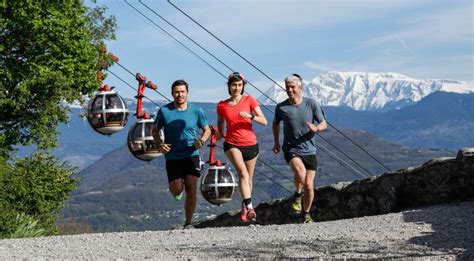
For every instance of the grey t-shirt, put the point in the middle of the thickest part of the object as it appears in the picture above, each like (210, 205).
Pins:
(297, 136)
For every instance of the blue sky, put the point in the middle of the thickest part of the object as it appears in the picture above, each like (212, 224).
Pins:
(421, 39)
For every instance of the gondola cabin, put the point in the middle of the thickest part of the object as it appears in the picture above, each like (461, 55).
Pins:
(140, 140)
(107, 113)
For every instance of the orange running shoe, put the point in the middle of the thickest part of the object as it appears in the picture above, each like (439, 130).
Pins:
(251, 215)
(243, 214)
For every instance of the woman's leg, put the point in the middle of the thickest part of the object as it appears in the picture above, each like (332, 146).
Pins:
(235, 157)
(250, 165)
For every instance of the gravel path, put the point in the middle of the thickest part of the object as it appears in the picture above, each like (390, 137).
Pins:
(443, 232)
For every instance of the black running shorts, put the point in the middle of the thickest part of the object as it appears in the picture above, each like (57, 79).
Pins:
(248, 152)
(180, 168)
(310, 161)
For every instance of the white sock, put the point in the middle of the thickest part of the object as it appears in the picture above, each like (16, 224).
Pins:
(249, 206)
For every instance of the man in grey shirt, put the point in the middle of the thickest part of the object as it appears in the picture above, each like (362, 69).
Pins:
(302, 118)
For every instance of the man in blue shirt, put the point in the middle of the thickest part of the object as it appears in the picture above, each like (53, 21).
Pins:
(302, 118)
(180, 121)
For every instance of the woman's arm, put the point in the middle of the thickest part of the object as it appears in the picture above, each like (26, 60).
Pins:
(259, 117)
(220, 126)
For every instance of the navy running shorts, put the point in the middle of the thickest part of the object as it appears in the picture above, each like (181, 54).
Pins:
(180, 168)
(310, 161)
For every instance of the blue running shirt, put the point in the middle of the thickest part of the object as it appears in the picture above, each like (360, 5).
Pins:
(180, 129)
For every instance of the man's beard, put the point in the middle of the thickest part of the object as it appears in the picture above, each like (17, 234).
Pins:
(180, 100)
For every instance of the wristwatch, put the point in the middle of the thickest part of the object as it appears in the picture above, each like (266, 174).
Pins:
(253, 116)
(202, 142)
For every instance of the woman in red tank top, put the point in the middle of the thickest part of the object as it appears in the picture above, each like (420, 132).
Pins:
(240, 145)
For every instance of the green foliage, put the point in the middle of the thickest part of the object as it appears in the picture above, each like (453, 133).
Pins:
(27, 227)
(49, 57)
(36, 186)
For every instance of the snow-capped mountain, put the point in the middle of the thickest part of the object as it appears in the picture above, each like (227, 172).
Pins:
(368, 91)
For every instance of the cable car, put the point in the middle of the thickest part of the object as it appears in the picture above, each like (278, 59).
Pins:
(218, 184)
(107, 112)
(140, 139)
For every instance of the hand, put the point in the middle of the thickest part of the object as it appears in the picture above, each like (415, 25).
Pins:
(164, 148)
(245, 115)
(312, 127)
(276, 148)
(197, 144)
(220, 135)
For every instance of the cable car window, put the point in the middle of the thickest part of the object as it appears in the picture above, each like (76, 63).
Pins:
(97, 103)
(225, 177)
(148, 128)
(210, 178)
(137, 131)
(112, 102)
(151, 145)
(225, 192)
(96, 120)
(115, 117)
(209, 193)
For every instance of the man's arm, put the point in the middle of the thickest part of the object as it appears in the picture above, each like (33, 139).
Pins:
(320, 118)
(322, 125)
(163, 147)
(206, 132)
(276, 136)
(317, 127)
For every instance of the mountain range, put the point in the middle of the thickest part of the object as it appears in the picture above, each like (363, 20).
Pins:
(440, 120)
(368, 91)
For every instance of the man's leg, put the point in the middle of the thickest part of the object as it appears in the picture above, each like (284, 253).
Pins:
(175, 178)
(299, 174)
(176, 187)
(308, 190)
(190, 201)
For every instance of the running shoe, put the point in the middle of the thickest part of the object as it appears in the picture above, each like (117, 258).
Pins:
(243, 214)
(188, 226)
(251, 215)
(178, 197)
(308, 219)
(296, 205)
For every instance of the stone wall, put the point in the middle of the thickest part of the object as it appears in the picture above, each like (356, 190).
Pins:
(440, 180)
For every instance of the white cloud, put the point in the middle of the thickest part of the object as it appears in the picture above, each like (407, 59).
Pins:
(240, 19)
(444, 26)
(317, 66)
(328, 66)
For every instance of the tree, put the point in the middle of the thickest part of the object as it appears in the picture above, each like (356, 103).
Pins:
(35, 186)
(49, 59)
(50, 53)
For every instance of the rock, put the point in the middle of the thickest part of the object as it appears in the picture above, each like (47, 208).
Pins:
(465, 152)
(440, 180)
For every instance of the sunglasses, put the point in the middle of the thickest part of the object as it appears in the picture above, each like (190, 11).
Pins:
(235, 75)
